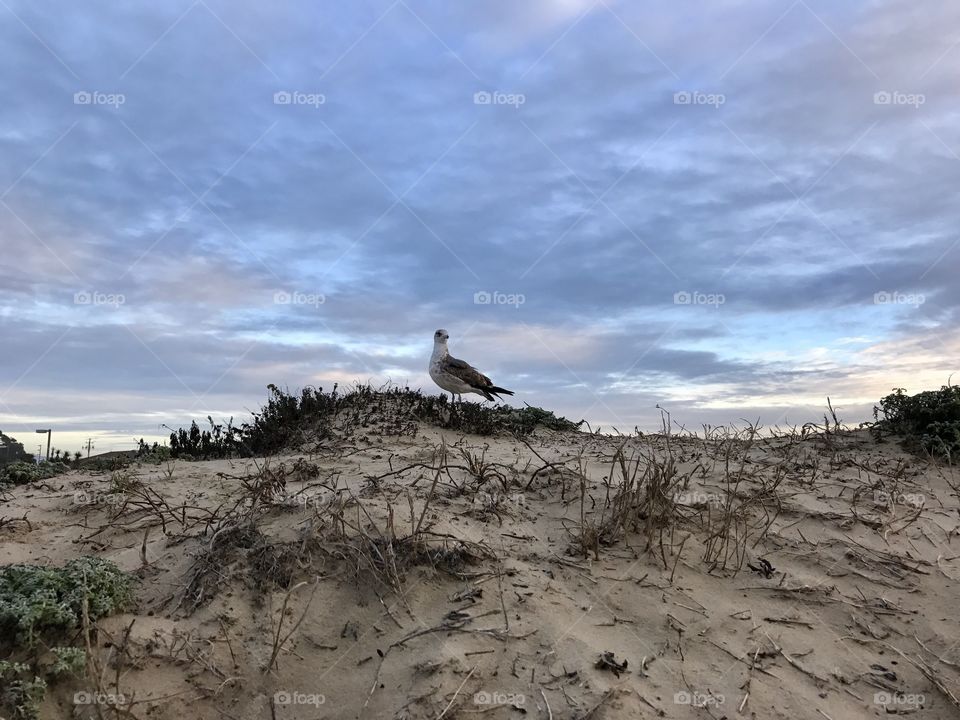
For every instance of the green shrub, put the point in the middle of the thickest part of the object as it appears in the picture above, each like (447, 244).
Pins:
(155, 455)
(20, 694)
(20, 473)
(38, 601)
(69, 660)
(928, 421)
(46, 603)
(502, 419)
(289, 419)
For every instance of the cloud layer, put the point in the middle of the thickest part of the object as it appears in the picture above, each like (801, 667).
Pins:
(730, 209)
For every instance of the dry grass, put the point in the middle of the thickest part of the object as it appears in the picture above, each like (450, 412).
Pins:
(408, 545)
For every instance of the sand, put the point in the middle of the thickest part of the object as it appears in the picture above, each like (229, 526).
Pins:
(313, 603)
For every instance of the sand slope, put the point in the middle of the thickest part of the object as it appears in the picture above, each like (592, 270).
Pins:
(502, 604)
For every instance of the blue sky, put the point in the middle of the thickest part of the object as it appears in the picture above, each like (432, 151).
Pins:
(732, 209)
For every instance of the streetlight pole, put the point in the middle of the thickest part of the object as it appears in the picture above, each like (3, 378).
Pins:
(48, 431)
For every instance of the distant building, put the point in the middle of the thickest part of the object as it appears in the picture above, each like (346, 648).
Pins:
(11, 450)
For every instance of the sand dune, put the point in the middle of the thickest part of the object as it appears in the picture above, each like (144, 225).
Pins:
(569, 575)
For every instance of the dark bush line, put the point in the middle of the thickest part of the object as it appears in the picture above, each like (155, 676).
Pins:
(289, 419)
(929, 421)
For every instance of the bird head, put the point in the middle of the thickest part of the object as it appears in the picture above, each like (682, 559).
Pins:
(440, 336)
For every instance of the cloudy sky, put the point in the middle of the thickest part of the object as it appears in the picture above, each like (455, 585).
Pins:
(731, 208)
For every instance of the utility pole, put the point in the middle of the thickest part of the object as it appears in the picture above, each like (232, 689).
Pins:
(89, 445)
(48, 431)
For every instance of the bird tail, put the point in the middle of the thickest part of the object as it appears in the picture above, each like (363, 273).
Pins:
(498, 390)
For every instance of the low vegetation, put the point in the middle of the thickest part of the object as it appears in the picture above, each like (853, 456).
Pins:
(289, 420)
(42, 608)
(20, 473)
(38, 601)
(929, 422)
(463, 516)
(21, 692)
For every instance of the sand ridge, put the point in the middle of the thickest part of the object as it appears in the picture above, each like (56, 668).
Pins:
(450, 576)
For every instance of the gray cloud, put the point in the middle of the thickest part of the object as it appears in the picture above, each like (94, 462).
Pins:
(397, 198)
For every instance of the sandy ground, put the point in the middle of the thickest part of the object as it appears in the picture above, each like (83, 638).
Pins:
(488, 595)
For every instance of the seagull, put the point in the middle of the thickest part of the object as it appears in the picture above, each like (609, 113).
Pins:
(456, 376)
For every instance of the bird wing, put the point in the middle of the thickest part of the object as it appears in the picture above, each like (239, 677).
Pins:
(466, 372)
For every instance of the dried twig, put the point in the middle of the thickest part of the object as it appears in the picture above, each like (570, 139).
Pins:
(449, 704)
(278, 643)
